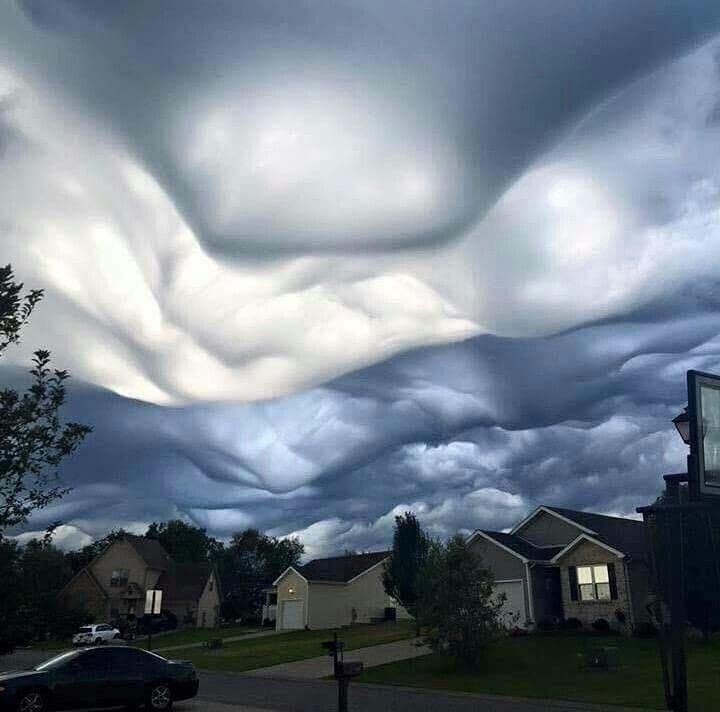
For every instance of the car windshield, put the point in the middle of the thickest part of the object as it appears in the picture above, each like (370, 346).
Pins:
(57, 660)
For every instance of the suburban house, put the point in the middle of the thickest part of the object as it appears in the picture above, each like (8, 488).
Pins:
(328, 593)
(560, 563)
(113, 585)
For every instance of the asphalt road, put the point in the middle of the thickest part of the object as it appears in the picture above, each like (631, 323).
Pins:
(246, 693)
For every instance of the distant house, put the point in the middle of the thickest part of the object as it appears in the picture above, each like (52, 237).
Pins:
(561, 563)
(113, 585)
(333, 592)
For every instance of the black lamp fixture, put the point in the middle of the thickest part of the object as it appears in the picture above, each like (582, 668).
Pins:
(682, 422)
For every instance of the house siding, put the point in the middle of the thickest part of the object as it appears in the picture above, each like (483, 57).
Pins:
(291, 580)
(548, 530)
(586, 554)
(208, 606)
(639, 589)
(83, 591)
(505, 566)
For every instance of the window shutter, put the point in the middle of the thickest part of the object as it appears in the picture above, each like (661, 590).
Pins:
(613, 582)
(572, 576)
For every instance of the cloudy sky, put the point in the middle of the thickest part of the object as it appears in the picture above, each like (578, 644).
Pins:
(315, 263)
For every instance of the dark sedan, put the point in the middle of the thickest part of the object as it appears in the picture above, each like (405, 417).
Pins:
(110, 676)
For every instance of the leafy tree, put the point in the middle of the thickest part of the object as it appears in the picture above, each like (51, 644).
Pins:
(251, 562)
(33, 440)
(456, 604)
(184, 542)
(409, 553)
(30, 608)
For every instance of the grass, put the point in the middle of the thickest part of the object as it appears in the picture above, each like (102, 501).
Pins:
(186, 636)
(551, 667)
(288, 647)
(189, 636)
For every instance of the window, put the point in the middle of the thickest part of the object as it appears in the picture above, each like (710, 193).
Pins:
(594, 583)
(119, 578)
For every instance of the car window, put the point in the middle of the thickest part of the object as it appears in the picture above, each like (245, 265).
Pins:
(93, 660)
(128, 658)
(104, 626)
(57, 660)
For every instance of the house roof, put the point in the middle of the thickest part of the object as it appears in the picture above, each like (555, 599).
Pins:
(151, 551)
(185, 582)
(522, 547)
(625, 535)
(341, 569)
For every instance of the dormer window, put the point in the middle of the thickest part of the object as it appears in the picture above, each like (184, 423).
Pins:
(119, 578)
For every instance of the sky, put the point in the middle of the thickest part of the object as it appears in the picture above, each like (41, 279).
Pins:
(313, 264)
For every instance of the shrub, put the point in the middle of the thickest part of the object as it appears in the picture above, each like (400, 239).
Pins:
(571, 624)
(646, 629)
(601, 626)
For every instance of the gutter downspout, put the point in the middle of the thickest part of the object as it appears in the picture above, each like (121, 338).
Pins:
(531, 602)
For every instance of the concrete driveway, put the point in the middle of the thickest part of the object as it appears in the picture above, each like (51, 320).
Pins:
(321, 666)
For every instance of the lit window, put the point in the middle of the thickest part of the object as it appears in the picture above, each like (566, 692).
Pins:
(593, 583)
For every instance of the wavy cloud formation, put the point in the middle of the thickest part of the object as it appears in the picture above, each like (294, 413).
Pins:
(316, 264)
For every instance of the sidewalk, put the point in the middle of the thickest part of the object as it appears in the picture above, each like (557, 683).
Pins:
(321, 666)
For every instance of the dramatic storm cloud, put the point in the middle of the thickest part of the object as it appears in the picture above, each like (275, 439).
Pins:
(314, 264)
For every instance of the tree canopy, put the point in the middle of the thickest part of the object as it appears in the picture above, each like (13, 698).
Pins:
(33, 439)
(184, 542)
(409, 553)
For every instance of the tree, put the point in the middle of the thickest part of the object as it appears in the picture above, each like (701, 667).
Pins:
(33, 440)
(184, 542)
(251, 562)
(456, 603)
(410, 551)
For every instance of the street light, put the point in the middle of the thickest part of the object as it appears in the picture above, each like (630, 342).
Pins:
(682, 422)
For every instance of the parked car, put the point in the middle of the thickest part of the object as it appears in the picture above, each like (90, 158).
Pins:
(95, 634)
(111, 676)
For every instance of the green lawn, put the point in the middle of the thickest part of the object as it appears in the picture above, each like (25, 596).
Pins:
(287, 647)
(194, 635)
(551, 667)
(181, 637)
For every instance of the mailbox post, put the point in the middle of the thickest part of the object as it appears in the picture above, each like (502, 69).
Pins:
(343, 672)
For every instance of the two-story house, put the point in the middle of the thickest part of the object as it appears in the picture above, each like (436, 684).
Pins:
(113, 585)
(561, 563)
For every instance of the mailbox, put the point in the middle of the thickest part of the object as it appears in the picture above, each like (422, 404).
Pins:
(349, 669)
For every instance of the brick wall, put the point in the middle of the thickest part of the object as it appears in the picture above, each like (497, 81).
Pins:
(588, 554)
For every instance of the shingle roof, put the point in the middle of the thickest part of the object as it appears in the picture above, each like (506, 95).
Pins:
(626, 535)
(184, 582)
(341, 569)
(151, 550)
(522, 547)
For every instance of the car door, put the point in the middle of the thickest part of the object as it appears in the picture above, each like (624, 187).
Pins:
(125, 682)
(78, 683)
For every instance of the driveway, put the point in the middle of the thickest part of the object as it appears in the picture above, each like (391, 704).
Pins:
(321, 666)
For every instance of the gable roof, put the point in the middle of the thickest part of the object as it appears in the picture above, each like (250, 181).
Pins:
(185, 582)
(520, 546)
(341, 569)
(625, 535)
(151, 550)
(619, 533)
(592, 539)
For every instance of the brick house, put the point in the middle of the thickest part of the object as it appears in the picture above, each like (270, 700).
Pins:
(113, 585)
(560, 563)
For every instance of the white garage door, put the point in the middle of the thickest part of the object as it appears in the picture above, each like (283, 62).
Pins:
(292, 615)
(513, 611)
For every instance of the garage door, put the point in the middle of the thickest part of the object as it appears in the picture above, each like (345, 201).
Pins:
(513, 611)
(292, 615)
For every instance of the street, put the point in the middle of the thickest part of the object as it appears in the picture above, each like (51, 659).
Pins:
(226, 692)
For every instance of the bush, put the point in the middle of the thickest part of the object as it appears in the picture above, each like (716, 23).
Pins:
(601, 626)
(646, 629)
(571, 624)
